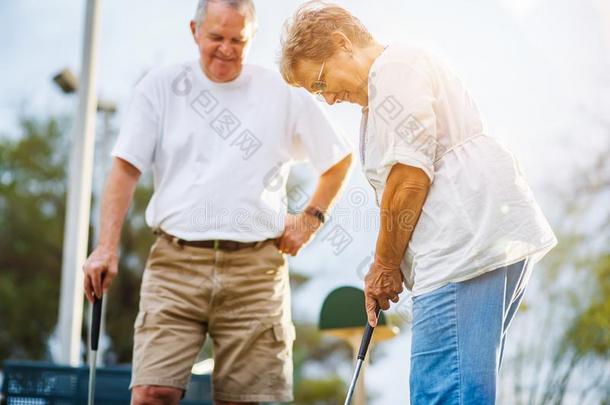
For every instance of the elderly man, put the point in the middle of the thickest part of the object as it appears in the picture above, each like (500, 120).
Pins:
(219, 136)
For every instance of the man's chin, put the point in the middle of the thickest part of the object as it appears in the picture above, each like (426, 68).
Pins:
(222, 74)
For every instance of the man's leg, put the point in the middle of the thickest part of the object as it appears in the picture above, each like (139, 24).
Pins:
(251, 327)
(155, 395)
(171, 325)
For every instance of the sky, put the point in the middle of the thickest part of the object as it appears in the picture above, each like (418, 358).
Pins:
(539, 70)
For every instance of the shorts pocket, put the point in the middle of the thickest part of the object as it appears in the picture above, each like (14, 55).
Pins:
(273, 253)
(140, 319)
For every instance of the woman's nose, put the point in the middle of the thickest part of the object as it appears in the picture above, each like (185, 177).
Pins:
(330, 98)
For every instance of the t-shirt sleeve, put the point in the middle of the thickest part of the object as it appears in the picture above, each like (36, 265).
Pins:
(314, 137)
(403, 118)
(140, 128)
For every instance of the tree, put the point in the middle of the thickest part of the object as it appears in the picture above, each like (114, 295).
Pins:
(572, 360)
(32, 205)
(32, 210)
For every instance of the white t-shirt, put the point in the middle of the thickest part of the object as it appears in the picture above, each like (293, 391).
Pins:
(480, 213)
(221, 152)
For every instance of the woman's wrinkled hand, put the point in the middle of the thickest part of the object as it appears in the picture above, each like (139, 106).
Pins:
(382, 284)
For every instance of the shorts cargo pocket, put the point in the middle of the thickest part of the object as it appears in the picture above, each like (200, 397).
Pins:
(140, 319)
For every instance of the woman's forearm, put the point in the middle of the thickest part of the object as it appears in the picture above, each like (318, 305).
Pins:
(401, 205)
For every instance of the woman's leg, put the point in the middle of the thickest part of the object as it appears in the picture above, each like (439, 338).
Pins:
(457, 340)
(516, 283)
(434, 348)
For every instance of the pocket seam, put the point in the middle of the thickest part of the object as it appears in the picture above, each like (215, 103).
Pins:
(283, 333)
(140, 319)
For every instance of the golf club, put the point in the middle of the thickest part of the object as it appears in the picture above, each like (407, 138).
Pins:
(364, 346)
(95, 337)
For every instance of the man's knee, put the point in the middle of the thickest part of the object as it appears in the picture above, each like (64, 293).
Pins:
(155, 395)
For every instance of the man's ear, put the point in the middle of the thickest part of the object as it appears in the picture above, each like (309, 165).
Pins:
(193, 25)
(341, 41)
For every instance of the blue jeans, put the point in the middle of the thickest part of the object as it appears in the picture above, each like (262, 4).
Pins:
(458, 337)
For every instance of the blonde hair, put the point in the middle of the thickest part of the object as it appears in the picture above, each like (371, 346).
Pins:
(307, 35)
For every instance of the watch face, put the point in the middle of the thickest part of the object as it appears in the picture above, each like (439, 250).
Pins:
(315, 213)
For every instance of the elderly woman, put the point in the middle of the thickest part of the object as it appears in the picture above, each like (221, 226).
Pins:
(459, 225)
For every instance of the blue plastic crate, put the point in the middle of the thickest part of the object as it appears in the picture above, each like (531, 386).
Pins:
(32, 383)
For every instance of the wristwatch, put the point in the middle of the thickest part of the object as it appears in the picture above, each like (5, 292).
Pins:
(314, 212)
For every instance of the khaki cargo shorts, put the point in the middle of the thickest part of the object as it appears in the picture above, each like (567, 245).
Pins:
(240, 298)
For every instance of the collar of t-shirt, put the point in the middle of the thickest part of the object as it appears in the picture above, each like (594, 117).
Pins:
(242, 79)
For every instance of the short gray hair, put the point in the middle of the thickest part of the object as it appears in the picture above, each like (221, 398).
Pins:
(246, 7)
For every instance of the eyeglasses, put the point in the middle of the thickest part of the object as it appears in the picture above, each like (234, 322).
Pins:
(319, 86)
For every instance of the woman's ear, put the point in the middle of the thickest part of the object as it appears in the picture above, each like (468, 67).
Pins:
(341, 42)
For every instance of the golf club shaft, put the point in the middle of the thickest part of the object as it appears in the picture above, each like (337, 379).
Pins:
(352, 385)
(92, 365)
(96, 321)
(364, 347)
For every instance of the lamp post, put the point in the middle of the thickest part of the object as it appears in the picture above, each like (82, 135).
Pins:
(68, 82)
(76, 228)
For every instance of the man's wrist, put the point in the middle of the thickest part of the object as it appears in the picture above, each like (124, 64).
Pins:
(312, 224)
(316, 213)
(108, 247)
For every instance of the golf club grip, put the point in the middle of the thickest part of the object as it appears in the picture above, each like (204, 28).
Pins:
(366, 338)
(96, 320)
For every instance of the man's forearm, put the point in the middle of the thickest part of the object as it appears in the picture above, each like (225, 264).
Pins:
(330, 184)
(401, 204)
(118, 193)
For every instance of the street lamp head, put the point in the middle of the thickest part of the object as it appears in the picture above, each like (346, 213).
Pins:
(67, 81)
(106, 106)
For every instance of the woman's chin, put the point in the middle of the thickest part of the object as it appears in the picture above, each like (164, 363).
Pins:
(358, 101)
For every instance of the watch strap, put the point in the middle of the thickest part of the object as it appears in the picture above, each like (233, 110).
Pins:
(315, 212)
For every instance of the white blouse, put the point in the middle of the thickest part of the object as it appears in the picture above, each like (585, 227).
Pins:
(480, 213)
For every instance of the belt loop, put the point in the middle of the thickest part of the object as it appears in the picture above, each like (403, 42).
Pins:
(216, 244)
(178, 242)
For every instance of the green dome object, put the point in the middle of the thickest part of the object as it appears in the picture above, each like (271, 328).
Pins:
(344, 308)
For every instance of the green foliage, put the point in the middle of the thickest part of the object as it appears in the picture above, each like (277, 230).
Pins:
(321, 391)
(589, 333)
(33, 168)
(312, 348)
(574, 361)
(32, 205)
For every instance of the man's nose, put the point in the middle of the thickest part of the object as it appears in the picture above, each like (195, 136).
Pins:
(225, 49)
